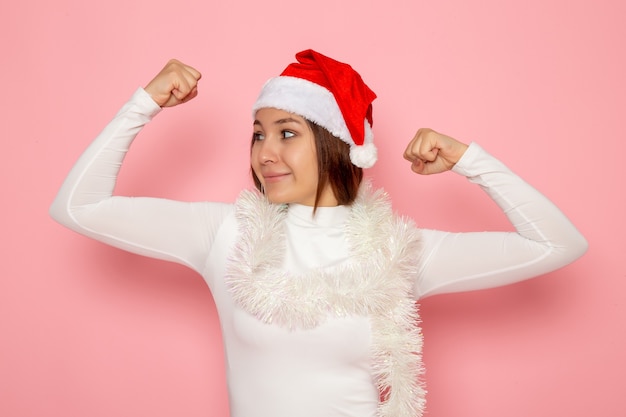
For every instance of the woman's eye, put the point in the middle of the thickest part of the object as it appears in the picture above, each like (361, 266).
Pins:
(288, 134)
(257, 136)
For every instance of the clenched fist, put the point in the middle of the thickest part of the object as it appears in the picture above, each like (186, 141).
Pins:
(431, 152)
(176, 83)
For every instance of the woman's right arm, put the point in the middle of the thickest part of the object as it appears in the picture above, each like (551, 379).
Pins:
(176, 231)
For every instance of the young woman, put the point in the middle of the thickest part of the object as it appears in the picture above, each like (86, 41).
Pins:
(314, 278)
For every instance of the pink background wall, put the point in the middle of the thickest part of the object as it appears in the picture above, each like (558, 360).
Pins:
(87, 330)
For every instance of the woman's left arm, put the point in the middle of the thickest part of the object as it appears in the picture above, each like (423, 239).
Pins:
(544, 241)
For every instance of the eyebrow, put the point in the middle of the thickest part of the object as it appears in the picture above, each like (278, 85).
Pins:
(280, 121)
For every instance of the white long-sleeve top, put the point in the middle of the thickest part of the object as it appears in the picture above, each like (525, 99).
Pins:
(324, 371)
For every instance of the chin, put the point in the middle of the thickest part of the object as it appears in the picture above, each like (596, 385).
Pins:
(276, 199)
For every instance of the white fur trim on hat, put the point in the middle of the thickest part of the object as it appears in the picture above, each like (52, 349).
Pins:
(318, 105)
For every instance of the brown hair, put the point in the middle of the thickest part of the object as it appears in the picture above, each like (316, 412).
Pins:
(333, 165)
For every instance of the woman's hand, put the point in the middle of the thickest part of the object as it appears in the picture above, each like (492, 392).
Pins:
(431, 152)
(176, 83)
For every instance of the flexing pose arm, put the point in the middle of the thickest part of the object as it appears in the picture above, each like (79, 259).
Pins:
(176, 231)
(545, 239)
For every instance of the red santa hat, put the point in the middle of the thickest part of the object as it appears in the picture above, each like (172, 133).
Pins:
(328, 93)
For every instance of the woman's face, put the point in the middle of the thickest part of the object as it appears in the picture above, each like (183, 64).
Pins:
(284, 159)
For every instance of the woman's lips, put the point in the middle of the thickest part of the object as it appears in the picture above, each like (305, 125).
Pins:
(274, 177)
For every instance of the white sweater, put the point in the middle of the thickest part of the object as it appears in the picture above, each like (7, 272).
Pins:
(325, 371)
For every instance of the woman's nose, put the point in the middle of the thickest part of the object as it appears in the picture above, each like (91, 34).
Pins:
(268, 152)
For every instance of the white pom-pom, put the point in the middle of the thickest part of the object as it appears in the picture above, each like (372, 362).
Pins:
(364, 156)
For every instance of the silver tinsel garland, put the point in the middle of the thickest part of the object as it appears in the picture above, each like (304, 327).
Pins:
(377, 282)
